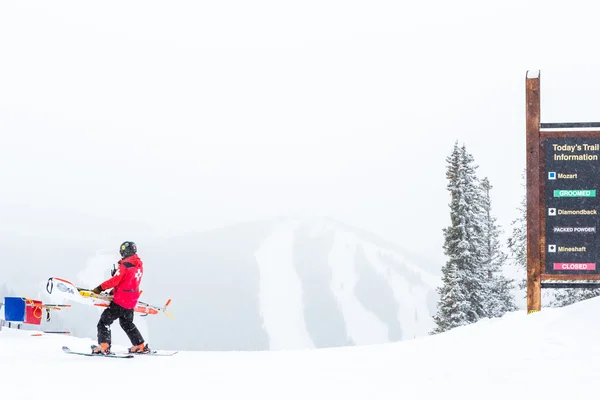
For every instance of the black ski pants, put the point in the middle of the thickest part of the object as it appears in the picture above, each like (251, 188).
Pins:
(125, 317)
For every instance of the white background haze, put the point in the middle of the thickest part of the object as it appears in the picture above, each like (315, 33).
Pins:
(141, 120)
(122, 120)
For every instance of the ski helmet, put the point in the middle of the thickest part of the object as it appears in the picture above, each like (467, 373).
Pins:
(127, 249)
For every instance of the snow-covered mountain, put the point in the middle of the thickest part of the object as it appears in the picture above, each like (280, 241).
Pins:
(492, 359)
(279, 284)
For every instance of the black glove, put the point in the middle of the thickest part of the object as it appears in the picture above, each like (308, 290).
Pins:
(113, 271)
(97, 290)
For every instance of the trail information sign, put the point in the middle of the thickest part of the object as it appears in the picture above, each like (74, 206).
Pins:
(563, 201)
(572, 178)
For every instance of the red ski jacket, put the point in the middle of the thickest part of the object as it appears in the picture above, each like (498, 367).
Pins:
(126, 282)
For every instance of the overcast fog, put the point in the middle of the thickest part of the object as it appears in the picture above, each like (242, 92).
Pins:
(144, 119)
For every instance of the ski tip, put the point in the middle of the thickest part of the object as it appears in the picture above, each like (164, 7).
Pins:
(161, 353)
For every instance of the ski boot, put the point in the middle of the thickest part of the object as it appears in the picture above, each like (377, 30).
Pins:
(140, 348)
(104, 348)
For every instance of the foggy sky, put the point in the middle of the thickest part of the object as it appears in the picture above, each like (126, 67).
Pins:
(125, 120)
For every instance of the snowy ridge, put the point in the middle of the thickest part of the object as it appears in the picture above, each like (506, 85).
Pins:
(492, 359)
(281, 292)
(428, 278)
(290, 283)
(363, 327)
(413, 313)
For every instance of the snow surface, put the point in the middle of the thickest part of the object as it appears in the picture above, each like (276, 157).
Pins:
(280, 294)
(413, 313)
(546, 355)
(428, 278)
(362, 325)
(282, 300)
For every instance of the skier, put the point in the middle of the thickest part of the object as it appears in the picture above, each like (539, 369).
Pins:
(125, 282)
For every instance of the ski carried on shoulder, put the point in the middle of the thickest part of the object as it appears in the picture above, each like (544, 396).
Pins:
(110, 355)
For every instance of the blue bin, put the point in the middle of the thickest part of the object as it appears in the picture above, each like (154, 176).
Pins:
(14, 309)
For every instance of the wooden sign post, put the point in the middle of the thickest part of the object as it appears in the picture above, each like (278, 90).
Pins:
(563, 201)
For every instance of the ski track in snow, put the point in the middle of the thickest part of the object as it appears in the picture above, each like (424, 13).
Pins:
(281, 298)
(411, 299)
(430, 279)
(362, 325)
(413, 315)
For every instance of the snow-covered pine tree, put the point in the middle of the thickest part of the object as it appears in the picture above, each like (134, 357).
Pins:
(500, 299)
(565, 297)
(475, 257)
(462, 294)
(453, 305)
(517, 242)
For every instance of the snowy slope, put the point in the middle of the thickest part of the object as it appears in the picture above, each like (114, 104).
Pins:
(363, 326)
(280, 292)
(548, 355)
(289, 283)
